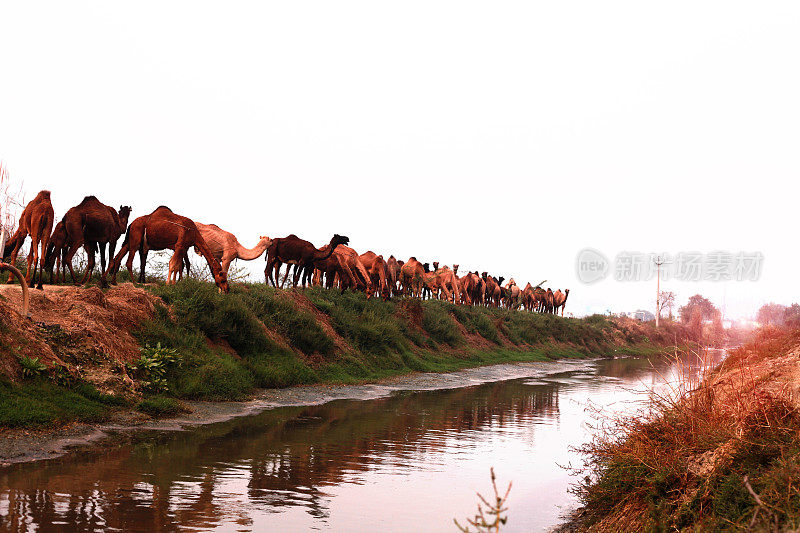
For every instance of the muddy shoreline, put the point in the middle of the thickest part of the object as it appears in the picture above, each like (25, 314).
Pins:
(27, 445)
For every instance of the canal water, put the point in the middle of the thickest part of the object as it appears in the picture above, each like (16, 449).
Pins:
(407, 455)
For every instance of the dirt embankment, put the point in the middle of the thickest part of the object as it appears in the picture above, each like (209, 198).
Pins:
(85, 330)
(719, 454)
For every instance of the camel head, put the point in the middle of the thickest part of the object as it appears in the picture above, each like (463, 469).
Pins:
(266, 240)
(401, 263)
(436, 265)
(500, 280)
(484, 275)
(339, 239)
(220, 278)
(426, 267)
(124, 215)
(455, 269)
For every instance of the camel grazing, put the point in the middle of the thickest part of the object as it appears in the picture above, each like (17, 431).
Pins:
(493, 290)
(293, 250)
(225, 247)
(94, 225)
(350, 270)
(37, 221)
(560, 300)
(56, 254)
(160, 230)
(378, 272)
(412, 274)
(444, 281)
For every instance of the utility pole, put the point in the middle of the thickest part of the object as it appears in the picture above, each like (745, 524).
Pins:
(659, 262)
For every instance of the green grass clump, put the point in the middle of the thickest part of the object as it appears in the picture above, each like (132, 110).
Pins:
(161, 406)
(476, 320)
(43, 403)
(436, 320)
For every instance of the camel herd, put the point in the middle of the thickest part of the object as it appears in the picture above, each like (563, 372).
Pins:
(96, 226)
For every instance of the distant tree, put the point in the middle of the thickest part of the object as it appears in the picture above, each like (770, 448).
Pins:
(696, 323)
(666, 300)
(771, 314)
(697, 302)
(718, 333)
(791, 316)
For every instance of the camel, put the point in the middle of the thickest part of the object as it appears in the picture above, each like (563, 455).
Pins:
(393, 267)
(160, 230)
(412, 275)
(560, 300)
(493, 291)
(443, 280)
(293, 250)
(225, 247)
(56, 255)
(512, 294)
(346, 265)
(378, 272)
(94, 225)
(547, 304)
(37, 221)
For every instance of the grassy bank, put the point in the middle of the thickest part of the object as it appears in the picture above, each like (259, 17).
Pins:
(719, 455)
(258, 336)
(195, 343)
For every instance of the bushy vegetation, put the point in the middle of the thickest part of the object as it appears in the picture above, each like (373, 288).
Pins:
(226, 349)
(718, 454)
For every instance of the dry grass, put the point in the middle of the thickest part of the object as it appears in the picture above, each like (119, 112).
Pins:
(715, 451)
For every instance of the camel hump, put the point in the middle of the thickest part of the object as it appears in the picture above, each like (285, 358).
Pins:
(163, 207)
(44, 194)
(88, 199)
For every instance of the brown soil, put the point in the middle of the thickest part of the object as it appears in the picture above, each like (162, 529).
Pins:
(82, 328)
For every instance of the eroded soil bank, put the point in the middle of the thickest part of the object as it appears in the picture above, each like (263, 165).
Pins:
(719, 454)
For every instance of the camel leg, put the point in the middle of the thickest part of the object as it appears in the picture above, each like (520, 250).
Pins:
(70, 254)
(13, 258)
(90, 248)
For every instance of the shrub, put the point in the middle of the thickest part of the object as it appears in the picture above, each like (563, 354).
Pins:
(153, 365)
(436, 320)
(32, 367)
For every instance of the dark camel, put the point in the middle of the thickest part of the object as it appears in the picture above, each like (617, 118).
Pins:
(37, 221)
(293, 250)
(160, 230)
(93, 225)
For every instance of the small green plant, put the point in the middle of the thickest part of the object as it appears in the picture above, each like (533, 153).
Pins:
(62, 376)
(31, 367)
(490, 519)
(152, 366)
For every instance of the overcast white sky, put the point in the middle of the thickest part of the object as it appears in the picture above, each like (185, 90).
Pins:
(504, 136)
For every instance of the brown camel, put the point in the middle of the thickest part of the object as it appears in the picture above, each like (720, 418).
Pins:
(393, 266)
(293, 250)
(349, 269)
(493, 290)
(37, 221)
(94, 225)
(560, 300)
(160, 230)
(443, 281)
(412, 274)
(512, 294)
(56, 254)
(226, 247)
(378, 272)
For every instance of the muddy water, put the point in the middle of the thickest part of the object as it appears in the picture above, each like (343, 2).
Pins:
(407, 455)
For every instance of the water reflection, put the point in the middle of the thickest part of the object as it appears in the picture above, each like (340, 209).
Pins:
(412, 458)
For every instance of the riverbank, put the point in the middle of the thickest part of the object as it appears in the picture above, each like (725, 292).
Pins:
(42, 443)
(719, 454)
(88, 354)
